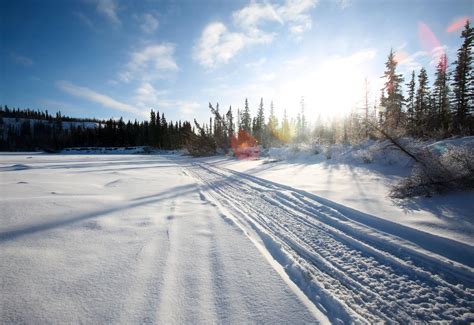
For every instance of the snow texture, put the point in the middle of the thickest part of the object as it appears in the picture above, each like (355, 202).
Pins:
(128, 239)
(356, 267)
(172, 239)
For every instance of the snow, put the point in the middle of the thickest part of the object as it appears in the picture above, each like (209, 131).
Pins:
(110, 150)
(356, 267)
(128, 239)
(348, 179)
(290, 238)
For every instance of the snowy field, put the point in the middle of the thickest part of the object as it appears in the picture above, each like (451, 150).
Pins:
(128, 239)
(170, 239)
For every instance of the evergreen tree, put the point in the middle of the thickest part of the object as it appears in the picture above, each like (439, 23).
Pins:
(393, 100)
(463, 84)
(366, 108)
(165, 143)
(230, 124)
(220, 128)
(258, 132)
(254, 125)
(152, 128)
(301, 124)
(441, 94)
(422, 103)
(285, 133)
(272, 127)
(239, 120)
(246, 120)
(158, 131)
(410, 104)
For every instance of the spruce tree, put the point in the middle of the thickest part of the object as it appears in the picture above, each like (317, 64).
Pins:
(230, 125)
(164, 132)
(301, 124)
(246, 120)
(220, 128)
(285, 129)
(393, 100)
(422, 102)
(410, 104)
(239, 120)
(152, 129)
(259, 123)
(272, 127)
(441, 94)
(366, 107)
(463, 84)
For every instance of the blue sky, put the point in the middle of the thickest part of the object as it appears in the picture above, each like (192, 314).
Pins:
(111, 58)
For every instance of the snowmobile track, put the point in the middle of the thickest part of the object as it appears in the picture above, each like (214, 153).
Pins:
(353, 271)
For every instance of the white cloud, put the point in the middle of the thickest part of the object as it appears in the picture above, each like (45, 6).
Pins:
(108, 9)
(410, 62)
(361, 56)
(23, 60)
(93, 96)
(149, 23)
(420, 59)
(146, 97)
(217, 44)
(295, 13)
(187, 110)
(251, 17)
(151, 62)
(436, 54)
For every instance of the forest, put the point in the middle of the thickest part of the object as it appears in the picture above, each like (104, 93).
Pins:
(25, 129)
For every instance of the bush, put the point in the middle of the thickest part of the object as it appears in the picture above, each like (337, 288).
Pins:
(201, 145)
(452, 170)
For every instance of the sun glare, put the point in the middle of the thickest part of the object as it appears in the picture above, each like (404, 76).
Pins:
(322, 88)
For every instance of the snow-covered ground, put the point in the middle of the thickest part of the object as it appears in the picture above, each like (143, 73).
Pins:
(348, 179)
(172, 239)
(128, 239)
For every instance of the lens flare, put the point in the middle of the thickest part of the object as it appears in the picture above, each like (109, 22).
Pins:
(429, 42)
(245, 146)
(427, 38)
(457, 24)
(401, 56)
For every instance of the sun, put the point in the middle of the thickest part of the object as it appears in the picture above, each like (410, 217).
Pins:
(332, 89)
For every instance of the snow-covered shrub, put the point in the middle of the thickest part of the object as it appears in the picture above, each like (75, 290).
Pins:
(316, 148)
(295, 149)
(201, 145)
(328, 152)
(451, 170)
(366, 156)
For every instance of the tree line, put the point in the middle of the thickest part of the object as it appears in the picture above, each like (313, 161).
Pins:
(444, 109)
(25, 129)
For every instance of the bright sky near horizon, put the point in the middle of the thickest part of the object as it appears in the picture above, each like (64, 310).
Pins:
(111, 58)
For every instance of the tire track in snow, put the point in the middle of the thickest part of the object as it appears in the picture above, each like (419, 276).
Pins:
(356, 280)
